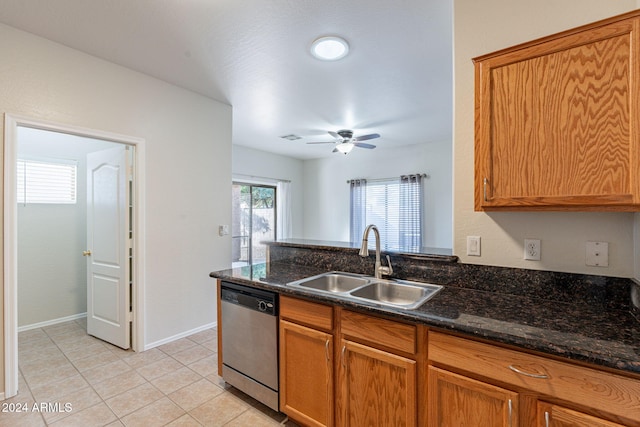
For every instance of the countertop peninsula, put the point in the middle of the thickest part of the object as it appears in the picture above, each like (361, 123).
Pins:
(589, 319)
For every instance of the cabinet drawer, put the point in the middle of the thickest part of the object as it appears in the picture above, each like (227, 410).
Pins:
(374, 330)
(601, 391)
(308, 313)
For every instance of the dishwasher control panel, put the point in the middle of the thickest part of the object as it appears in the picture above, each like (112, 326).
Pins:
(253, 299)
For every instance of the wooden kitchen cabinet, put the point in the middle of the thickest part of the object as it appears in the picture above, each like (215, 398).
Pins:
(378, 371)
(482, 378)
(370, 378)
(455, 400)
(557, 121)
(550, 415)
(378, 388)
(306, 362)
(306, 369)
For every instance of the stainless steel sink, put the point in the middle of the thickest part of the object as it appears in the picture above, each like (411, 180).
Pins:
(334, 282)
(397, 294)
(393, 293)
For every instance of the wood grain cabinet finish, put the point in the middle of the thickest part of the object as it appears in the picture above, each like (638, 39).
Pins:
(584, 393)
(378, 388)
(306, 362)
(550, 415)
(306, 374)
(455, 400)
(557, 121)
(370, 379)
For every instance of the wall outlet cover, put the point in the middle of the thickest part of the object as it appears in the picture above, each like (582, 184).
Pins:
(532, 250)
(597, 254)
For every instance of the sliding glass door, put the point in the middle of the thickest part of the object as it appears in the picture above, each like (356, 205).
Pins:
(253, 222)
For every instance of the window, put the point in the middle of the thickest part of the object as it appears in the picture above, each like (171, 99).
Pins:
(46, 182)
(394, 206)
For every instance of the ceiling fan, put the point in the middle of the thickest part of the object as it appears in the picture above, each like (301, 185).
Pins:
(345, 141)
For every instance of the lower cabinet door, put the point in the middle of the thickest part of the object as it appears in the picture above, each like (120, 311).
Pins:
(306, 374)
(377, 388)
(455, 400)
(550, 415)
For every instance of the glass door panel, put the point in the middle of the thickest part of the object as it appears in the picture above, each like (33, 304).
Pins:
(254, 221)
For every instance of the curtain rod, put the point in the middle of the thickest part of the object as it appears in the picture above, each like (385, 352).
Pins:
(423, 175)
(265, 178)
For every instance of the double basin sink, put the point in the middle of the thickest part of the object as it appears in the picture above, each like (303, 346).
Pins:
(395, 293)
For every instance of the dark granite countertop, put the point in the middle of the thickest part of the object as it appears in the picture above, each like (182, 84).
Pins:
(578, 329)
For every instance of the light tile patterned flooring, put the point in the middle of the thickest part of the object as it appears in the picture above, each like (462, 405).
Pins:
(175, 384)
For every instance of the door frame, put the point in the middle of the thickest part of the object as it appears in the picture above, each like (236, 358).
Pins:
(10, 231)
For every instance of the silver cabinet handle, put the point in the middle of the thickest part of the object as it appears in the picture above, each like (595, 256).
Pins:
(528, 374)
(510, 413)
(326, 350)
(485, 182)
(344, 348)
(546, 419)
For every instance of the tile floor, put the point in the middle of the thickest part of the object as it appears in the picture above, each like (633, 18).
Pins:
(175, 384)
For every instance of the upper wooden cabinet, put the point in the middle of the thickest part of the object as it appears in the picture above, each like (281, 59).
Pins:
(557, 121)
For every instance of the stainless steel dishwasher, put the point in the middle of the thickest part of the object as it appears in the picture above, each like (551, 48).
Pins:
(250, 341)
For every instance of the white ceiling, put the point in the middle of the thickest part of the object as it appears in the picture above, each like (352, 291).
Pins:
(254, 55)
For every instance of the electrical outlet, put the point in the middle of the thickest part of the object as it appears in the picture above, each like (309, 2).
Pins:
(473, 245)
(223, 230)
(532, 249)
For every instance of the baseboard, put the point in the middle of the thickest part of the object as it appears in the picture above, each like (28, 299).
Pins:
(51, 322)
(180, 335)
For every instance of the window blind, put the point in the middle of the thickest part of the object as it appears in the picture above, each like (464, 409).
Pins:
(394, 205)
(46, 182)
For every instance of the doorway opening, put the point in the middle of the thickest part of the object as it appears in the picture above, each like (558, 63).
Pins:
(75, 146)
(253, 222)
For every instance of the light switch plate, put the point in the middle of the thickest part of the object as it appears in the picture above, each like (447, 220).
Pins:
(473, 245)
(223, 230)
(597, 254)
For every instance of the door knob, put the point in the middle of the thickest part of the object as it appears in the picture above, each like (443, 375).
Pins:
(86, 253)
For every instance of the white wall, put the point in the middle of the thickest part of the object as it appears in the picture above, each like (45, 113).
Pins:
(188, 163)
(52, 275)
(248, 162)
(486, 26)
(326, 204)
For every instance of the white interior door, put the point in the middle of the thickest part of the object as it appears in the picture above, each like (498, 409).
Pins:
(108, 246)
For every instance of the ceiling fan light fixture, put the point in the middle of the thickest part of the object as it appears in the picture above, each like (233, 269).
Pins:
(329, 48)
(345, 147)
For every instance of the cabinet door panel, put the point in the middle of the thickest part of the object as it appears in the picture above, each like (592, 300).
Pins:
(557, 416)
(456, 401)
(378, 388)
(306, 374)
(555, 122)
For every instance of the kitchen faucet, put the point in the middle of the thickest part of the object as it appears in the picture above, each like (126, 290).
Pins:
(364, 251)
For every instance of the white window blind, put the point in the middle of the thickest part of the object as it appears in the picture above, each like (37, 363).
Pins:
(46, 182)
(394, 206)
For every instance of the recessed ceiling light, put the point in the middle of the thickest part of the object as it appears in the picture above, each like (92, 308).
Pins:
(329, 48)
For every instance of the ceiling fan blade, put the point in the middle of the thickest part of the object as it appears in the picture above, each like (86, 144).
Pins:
(335, 150)
(322, 142)
(335, 135)
(365, 137)
(363, 145)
